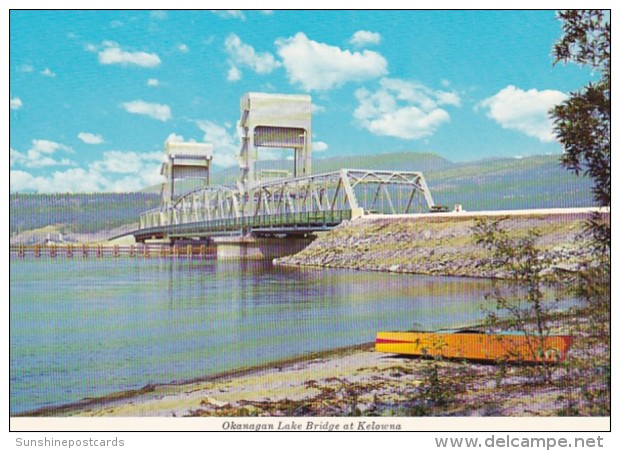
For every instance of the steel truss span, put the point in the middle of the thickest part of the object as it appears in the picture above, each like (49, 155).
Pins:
(290, 205)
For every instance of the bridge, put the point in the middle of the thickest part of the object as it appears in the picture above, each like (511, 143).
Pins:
(292, 207)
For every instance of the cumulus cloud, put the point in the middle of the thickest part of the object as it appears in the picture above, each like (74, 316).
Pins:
(524, 111)
(174, 138)
(125, 162)
(154, 110)
(319, 146)
(403, 109)
(242, 54)
(318, 66)
(229, 13)
(48, 73)
(90, 138)
(318, 109)
(59, 182)
(234, 74)
(117, 171)
(113, 54)
(25, 68)
(363, 37)
(40, 155)
(152, 82)
(15, 103)
(183, 48)
(225, 142)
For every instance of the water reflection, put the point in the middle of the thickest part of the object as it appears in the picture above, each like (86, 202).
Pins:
(90, 327)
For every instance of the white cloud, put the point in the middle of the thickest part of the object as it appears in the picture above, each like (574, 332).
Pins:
(40, 155)
(90, 138)
(46, 146)
(113, 54)
(242, 54)
(15, 103)
(118, 171)
(183, 48)
(48, 73)
(25, 68)
(152, 82)
(403, 109)
(174, 138)
(225, 142)
(229, 13)
(317, 66)
(267, 12)
(125, 162)
(524, 111)
(318, 109)
(319, 146)
(234, 74)
(363, 37)
(154, 110)
(71, 180)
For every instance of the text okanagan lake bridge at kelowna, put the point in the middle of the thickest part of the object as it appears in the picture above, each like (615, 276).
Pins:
(275, 205)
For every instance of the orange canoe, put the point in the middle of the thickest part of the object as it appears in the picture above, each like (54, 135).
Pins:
(476, 346)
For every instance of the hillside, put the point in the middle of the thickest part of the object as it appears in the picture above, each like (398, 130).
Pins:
(509, 184)
(76, 213)
(496, 184)
(399, 161)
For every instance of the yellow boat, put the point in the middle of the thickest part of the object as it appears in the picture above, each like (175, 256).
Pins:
(474, 345)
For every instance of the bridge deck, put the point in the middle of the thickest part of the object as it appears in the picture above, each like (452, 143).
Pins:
(284, 223)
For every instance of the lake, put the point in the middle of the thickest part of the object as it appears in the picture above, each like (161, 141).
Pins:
(89, 327)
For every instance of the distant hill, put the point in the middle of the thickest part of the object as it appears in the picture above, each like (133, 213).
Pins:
(77, 213)
(492, 184)
(509, 184)
(401, 161)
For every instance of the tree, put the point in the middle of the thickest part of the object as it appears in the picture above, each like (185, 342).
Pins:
(582, 123)
(583, 127)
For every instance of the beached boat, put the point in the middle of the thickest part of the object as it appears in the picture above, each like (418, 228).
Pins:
(475, 345)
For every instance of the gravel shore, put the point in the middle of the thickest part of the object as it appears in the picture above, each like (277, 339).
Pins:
(439, 245)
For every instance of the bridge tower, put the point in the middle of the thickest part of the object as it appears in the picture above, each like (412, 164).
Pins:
(184, 161)
(274, 121)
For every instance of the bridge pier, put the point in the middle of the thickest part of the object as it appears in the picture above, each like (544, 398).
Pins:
(256, 248)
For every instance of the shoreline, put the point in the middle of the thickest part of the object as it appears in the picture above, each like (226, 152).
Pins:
(347, 381)
(123, 395)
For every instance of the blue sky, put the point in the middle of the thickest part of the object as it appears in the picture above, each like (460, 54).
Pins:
(94, 95)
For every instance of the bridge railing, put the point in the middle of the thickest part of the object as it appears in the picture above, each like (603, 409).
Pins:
(274, 223)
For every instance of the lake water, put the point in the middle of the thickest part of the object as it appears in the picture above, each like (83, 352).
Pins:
(89, 327)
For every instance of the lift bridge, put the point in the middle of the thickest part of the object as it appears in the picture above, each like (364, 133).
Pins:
(292, 205)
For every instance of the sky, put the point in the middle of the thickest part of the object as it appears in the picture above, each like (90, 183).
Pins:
(94, 95)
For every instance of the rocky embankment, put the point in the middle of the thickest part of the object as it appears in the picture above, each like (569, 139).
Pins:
(440, 245)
